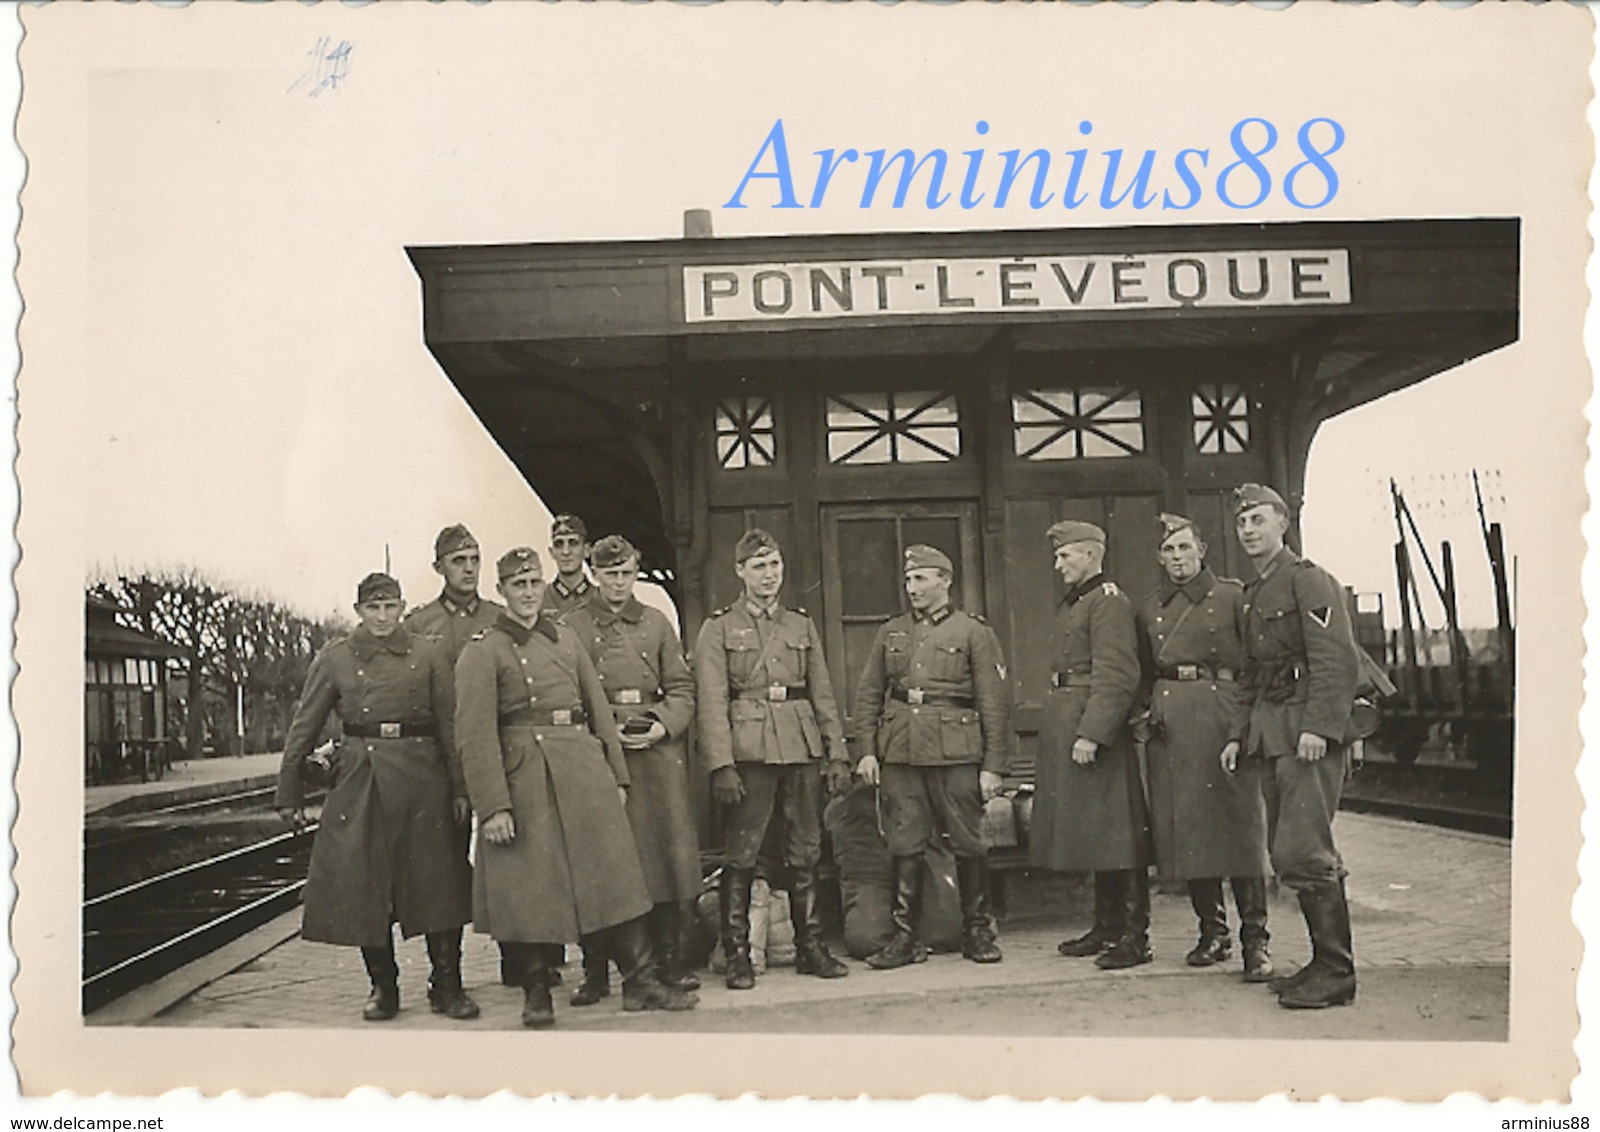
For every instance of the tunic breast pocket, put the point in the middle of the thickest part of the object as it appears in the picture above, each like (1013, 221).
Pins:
(741, 659)
(896, 657)
(796, 656)
(951, 663)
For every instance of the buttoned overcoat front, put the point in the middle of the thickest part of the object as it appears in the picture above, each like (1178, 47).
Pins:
(387, 849)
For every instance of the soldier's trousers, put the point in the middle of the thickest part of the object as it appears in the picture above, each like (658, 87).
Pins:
(1302, 799)
(792, 789)
(920, 801)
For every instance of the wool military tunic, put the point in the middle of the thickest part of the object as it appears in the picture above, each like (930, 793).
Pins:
(1301, 671)
(451, 624)
(387, 849)
(640, 662)
(933, 693)
(538, 739)
(764, 690)
(562, 599)
(1207, 822)
(1091, 817)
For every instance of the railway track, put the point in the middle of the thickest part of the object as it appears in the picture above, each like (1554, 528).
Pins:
(145, 930)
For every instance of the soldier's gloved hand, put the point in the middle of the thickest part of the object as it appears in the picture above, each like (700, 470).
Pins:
(1083, 751)
(500, 828)
(1311, 748)
(463, 810)
(293, 816)
(989, 784)
(726, 786)
(867, 768)
(1141, 727)
(1230, 756)
(836, 776)
(622, 793)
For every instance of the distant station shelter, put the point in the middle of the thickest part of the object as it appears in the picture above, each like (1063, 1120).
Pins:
(858, 393)
(125, 698)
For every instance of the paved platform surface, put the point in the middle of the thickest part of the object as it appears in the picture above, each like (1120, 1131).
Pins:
(1431, 911)
(184, 781)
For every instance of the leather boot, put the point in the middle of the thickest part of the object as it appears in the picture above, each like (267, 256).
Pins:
(510, 973)
(384, 1002)
(1107, 919)
(1332, 977)
(538, 1012)
(596, 973)
(977, 919)
(1250, 897)
(666, 924)
(734, 892)
(1205, 896)
(1133, 948)
(629, 944)
(811, 955)
(903, 949)
(445, 994)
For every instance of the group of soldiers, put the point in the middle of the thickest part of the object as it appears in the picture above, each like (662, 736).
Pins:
(1198, 733)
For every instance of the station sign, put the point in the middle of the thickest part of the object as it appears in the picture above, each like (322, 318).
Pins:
(879, 288)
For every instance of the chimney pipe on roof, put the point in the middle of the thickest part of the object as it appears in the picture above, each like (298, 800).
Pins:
(697, 224)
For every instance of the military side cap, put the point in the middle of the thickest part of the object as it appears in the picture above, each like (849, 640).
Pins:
(753, 542)
(568, 524)
(1249, 495)
(377, 587)
(1075, 530)
(519, 560)
(452, 539)
(613, 550)
(922, 557)
(1171, 524)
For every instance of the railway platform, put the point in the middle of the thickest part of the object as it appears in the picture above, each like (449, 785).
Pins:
(186, 781)
(1431, 911)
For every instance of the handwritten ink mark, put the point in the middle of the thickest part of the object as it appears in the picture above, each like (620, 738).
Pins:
(330, 66)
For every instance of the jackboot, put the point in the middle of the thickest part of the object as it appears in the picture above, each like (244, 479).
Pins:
(555, 954)
(445, 994)
(384, 1002)
(977, 917)
(734, 892)
(596, 973)
(1332, 978)
(666, 923)
(1107, 919)
(1205, 896)
(1250, 897)
(629, 944)
(906, 909)
(1133, 948)
(811, 955)
(510, 973)
(538, 1012)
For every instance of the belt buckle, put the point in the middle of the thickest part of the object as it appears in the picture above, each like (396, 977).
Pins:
(561, 717)
(778, 693)
(388, 731)
(1188, 672)
(629, 696)
(914, 695)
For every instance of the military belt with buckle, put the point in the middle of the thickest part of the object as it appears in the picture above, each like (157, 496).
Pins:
(1069, 679)
(1196, 672)
(633, 697)
(391, 730)
(921, 697)
(534, 717)
(775, 693)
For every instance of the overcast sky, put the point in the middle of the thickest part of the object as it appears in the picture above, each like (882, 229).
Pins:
(252, 354)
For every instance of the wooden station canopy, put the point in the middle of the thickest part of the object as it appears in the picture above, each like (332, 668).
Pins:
(857, 393)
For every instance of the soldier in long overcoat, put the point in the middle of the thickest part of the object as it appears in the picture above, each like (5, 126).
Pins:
(769, 733)
(1090, 813)
(640, 662)
(388, 849)
(545, 771)
(1208, 823)
(933, 724)
(455, 617)
(1301, 673)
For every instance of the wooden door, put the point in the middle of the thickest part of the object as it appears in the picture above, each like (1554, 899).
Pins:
(863, 573)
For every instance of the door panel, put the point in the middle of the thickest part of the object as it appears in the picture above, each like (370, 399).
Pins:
(862, 573)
